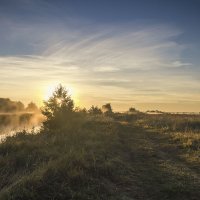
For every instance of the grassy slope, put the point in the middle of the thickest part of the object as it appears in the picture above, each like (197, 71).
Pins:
(103, 160)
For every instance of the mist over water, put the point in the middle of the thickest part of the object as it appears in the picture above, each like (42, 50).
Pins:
(15, 117)
(11, 123)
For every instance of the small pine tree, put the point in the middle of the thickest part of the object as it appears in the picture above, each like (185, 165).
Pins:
(58, 110)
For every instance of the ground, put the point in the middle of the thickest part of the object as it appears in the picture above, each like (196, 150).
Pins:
(111, 160)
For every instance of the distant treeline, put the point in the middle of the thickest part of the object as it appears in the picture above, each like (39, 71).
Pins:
(8, 106)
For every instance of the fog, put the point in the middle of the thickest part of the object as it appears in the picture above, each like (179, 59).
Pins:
(15, 116)
(10, 123)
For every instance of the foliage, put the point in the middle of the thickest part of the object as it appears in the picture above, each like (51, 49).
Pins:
(58, 109)
(32, 107)
(105, 159)
(113, 156)
(131, 109)
(6, 105)
(107, 109)
(94, 110)
(172, 122)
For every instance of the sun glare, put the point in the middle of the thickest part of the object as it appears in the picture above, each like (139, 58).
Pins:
(59, 101)
(48, 91)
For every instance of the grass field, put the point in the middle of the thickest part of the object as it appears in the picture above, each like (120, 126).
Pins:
(123, 157)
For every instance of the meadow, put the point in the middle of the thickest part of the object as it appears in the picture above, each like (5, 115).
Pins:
(141, 157)
(80, 154)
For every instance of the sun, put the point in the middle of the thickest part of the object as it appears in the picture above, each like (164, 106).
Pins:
(59, 101)
(49, 89)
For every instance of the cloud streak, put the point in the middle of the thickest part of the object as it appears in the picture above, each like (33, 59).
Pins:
(124, 59)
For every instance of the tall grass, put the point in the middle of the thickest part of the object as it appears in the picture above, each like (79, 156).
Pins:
(172, 122)
(183, 129)
(101, 157)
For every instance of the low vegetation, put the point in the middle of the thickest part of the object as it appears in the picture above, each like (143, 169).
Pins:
(83, 155)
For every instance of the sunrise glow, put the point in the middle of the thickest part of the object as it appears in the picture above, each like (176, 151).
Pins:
(131, 62)
(99, 99)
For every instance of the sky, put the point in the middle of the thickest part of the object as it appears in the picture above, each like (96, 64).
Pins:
(130, 53)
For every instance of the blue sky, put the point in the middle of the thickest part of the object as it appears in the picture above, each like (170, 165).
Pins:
(130, 53)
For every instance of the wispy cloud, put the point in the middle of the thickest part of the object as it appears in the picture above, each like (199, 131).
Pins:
(116, 48)
(128, 60)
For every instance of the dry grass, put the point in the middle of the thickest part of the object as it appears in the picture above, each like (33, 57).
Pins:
(106, 159)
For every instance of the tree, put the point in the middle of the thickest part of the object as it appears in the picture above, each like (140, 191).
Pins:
(107, 109)
(6, 105)
(19, 106)
(58, 110)
(32, 107)
(94, 110)
(132, 110)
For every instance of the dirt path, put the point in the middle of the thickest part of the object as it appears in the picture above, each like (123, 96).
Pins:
(156, 170)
